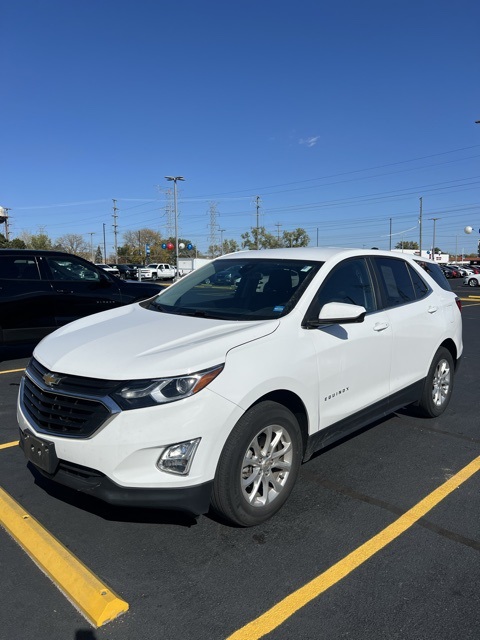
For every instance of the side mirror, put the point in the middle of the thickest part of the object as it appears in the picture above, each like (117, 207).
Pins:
(338, 313)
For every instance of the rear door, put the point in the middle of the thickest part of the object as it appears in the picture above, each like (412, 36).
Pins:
(81, 288)
(416, 316)
(26, 299)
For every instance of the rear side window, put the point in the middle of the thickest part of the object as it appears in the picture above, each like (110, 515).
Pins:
(396, 281)
(16, 268)
(436, 273)
(420, 286)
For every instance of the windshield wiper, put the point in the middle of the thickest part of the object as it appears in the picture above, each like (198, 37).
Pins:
(158, 307)
(198, 313)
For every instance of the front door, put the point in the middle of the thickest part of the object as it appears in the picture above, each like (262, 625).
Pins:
(353, 359)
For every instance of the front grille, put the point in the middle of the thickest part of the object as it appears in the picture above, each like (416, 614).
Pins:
(60, 414)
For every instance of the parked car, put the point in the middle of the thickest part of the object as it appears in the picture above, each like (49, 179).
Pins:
(227, 277)
(472, 280)
(462, 270)
(43, 290)
(447, 272)
(158, 271)
(454, 273)
(211, 397)
(126, 271)
(109, 269)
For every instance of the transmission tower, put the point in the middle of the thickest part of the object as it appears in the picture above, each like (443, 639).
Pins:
(213, 227)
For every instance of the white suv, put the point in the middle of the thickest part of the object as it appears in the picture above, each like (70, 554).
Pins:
(212, 396)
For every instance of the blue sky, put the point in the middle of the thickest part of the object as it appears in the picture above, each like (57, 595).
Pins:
(339, 115)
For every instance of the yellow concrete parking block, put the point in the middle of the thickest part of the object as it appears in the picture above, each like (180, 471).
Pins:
(95, 600)
(6, 445)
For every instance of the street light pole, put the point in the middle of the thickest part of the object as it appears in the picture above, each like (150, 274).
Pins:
(174, 179)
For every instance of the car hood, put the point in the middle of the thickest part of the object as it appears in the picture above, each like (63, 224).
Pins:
(132, 342)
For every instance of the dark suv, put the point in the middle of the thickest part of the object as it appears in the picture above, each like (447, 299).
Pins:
(43, 290)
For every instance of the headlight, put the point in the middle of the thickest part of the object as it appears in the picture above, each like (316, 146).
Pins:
(147, 393)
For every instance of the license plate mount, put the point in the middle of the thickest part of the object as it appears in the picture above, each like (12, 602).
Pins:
(39, 452)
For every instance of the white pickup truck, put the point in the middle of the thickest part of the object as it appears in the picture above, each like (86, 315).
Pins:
(158, 271)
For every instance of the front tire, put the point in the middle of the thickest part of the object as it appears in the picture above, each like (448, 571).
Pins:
(473, 282)
(258, 465)
(438, 385)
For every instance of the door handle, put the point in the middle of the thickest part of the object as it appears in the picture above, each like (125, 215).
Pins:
(380, 326)
(432, 309)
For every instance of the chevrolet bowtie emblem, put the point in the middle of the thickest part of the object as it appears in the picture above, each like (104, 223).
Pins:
(52, 379)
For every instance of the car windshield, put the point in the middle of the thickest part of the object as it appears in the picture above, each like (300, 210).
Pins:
(243, 289)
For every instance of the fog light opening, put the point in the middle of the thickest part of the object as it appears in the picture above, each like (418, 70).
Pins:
(178, 458)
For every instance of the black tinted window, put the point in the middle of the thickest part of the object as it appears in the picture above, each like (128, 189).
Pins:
(68, 268)
(435, 272)
(396, 281)
(349, 282)
(420, 286)
(16, 268)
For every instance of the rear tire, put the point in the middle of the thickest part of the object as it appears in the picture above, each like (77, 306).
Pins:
(438, 385)
(473, 282)
(258, 465)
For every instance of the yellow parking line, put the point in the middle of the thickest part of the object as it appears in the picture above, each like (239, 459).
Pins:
(94, 599)
(12, 371)
(275, 616)
(8, 444)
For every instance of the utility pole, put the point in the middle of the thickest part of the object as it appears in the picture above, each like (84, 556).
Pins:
(258, 220)
(433, 248)
(221, 241)
(420, 223)
(104, 245)
(114, 230)
(92, 233)
(391, 235)
(278, 225)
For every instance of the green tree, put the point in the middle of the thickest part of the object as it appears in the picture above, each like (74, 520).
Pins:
(262, 239)
(407, 244)
(297, 238)
(16, 243)
(259, 238)
(98, 255)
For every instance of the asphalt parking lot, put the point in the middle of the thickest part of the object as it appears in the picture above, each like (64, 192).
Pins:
(380, 539)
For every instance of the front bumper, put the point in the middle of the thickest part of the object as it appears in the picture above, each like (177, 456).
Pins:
(117, 463)
(194, 500)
